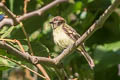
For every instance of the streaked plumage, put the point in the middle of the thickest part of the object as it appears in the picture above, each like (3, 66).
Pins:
(64, 35)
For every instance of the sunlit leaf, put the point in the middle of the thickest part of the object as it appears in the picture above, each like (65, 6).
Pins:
(5, 64)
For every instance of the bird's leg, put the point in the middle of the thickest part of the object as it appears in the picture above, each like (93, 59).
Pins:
(15, 41)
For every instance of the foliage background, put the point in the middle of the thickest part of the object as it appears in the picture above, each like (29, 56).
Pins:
(103, 45)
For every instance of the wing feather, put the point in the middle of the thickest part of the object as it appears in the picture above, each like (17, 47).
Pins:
(71, 32)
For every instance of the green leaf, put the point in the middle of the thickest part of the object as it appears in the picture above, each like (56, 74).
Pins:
(5, 64)
(89, 1)
(115, 46)
(3, 30)
(40, 2)
(107, 55)
(7, 32)
(40, 49)
(77, 6)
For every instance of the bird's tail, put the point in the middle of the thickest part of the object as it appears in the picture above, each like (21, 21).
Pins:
(86, 55)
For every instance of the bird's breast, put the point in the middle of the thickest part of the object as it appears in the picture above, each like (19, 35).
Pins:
(61, 38)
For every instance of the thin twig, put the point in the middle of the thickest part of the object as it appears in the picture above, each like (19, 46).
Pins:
(25, 6)
(27, 37)
(28, 74)
(39, 66)
(9, 13)
(24, 66)
(15, 41)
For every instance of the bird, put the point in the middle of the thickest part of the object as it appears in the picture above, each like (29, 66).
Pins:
(64, 35)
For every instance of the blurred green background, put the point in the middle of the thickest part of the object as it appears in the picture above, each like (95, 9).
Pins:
(103, 45)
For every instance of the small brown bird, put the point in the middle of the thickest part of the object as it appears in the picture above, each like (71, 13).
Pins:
(64, 35)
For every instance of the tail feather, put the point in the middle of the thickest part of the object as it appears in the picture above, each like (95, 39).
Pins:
(87, 57)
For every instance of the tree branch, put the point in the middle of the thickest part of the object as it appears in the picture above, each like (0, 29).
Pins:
(14, 20)
(26, 56)
(8, 12)
(55, 61)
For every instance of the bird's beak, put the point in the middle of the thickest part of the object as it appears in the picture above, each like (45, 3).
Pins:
(52, 24)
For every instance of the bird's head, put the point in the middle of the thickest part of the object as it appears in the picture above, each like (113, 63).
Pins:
(57, 22)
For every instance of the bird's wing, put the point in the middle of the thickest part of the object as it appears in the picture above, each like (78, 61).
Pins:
(75, 36)
(71, 32)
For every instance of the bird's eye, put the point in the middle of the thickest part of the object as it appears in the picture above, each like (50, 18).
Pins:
(60, 22)
(51, 22)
